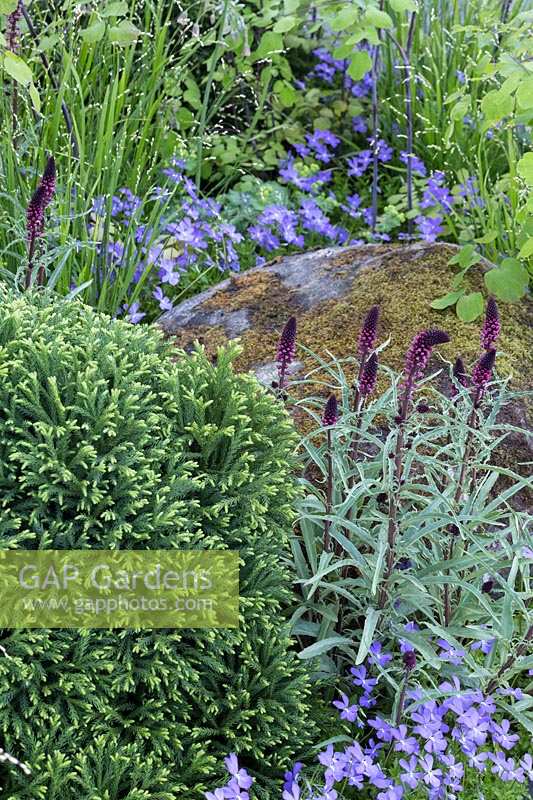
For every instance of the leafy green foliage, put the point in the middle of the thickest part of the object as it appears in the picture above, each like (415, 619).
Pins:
(343, 607)
(105, 442)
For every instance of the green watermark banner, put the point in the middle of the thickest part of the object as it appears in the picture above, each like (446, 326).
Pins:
(119, 589)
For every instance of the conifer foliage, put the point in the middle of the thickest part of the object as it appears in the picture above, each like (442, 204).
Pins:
(107, 442)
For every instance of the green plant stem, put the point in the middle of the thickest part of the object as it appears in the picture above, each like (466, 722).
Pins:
(394, 497)
(41, 274)
(401, 701)
(205, 102)
(357, 408)
(456, 498)
(405, 53)
(46, 65)
(394, 494)
(375, 126)
(329, 494)
(29, 268)
(520, 650)
(14, 113)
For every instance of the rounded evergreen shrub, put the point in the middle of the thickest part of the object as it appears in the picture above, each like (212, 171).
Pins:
(108, 441)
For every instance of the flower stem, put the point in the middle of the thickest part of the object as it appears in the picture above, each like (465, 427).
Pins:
(520, 650)
(401, 701)
(329, 494)
(375, 126)
(405, 53)
(456, 498)
(48, 70)
(29, 268)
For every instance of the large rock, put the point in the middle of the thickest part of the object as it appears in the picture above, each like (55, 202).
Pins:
(329, 292)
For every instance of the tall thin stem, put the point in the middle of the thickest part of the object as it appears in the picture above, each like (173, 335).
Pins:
(207, 93)
(375, 127)
(457, 496)
(375, 133)
(506, 10)
(405, 53)
(46, 64)
(357, 407)
(329, 494)
(504, 16)
(29, 268)
(520, 650)
(394, 494)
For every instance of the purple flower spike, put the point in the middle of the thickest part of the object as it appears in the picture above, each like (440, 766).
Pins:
(48, 181)
(419, 352)
(331, 413)
(286, 350)
(482, 372)
(40, 199)
(12, 28)
(368, 334)
(35, 214)
(491, 327)
(369, 376)
(459, 372)
(287, 343)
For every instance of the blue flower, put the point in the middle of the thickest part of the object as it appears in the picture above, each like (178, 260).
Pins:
(383, 150)
(429, 227)
(165, 303)
(353, 201)
(359, 125)
(264, 237)
(348, 712)
(450, 653)
(240, 776)
(133, 313)
(436, 194)
(359, 164)
(417, 164)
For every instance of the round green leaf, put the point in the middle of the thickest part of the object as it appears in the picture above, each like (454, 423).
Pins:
(17, 68)
(269, 44)
(470, 306)
(117, 9)
(525, 168)
(377, 18)
(359, 65)
(524, 93)
(285, 24)
(488, 237)
(94, 33)
(447, 300)
(509, 281)
(286, 93)
(527, 249)
(124, 33)
(8, 6)
(496, 105)
(347, 16)
(49, 42)
(460, 109)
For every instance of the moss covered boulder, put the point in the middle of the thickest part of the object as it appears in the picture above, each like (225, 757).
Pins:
(329, 292)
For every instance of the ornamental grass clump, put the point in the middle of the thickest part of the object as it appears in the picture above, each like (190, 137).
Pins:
(107, 441)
